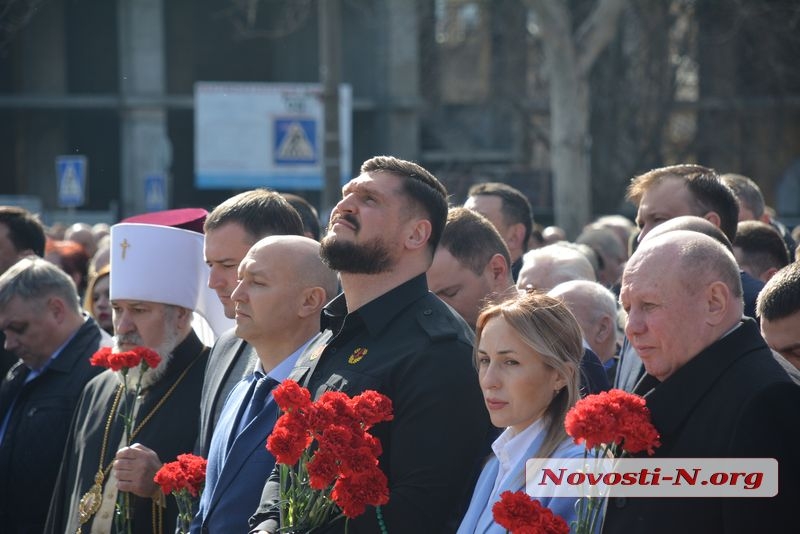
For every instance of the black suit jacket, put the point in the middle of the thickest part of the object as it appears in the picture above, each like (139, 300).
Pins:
(220, 378)
(733, 400)
(30, 454)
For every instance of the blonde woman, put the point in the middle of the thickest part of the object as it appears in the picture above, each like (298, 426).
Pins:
(528, 352)
(96, 299)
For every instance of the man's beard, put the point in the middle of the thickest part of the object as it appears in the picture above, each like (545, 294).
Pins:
(372, 257)
(164, 349)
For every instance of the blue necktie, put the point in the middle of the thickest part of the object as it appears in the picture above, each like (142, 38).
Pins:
(258, 397)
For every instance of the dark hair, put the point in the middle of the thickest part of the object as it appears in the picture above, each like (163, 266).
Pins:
(780, 297)
(260, 212)
(25, 230)
(762, 246)
(708, 191)
(514, 205)
(420, 186)
(307, 212)
(472, 239)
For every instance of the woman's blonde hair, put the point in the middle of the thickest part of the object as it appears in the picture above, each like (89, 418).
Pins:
(88, 296)
(548, 328)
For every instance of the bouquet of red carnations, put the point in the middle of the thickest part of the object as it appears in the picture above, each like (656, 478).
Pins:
(184, 479)
(327, 459)
(610, 424)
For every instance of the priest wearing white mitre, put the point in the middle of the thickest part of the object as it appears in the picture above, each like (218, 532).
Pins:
(157, 278)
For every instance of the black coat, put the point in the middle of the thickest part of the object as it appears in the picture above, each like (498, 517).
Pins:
(733, 400)
(30, 454)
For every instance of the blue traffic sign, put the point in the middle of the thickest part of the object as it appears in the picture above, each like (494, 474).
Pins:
(295, 141)
(71, 180)
(155, 194)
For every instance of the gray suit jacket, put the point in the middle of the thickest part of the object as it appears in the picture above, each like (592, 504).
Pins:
(231, 359)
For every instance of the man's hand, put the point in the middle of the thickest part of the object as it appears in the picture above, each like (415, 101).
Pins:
(135, 467)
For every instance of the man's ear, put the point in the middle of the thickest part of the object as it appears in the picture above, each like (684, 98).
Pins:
(57, 308)
(498, 267)
(769, 273)
(718, 300)
(184, 317)
(419, 234)
(605, 328)
(714, 218)
(313, 299)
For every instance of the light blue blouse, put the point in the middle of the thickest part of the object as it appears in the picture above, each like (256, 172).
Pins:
(478, 519)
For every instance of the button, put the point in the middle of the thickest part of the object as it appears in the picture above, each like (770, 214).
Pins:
(428, 312)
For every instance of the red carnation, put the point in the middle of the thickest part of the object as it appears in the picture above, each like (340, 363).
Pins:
(148, 356)
(354, 492)
(372, 407)
(188, 473)
(100, 358)
(520, 514)
(123, 360)
(322, 469)
(342, 412)
(285, 446)
(613, 417)
(290, 397)
(194, 469)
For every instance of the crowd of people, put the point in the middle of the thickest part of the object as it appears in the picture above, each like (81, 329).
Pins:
(483, 329)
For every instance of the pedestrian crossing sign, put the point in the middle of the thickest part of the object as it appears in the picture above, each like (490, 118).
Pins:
(295, 141)
(71, 180)
(155, 194)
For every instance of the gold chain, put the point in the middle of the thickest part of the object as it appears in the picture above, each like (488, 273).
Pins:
(91, 500)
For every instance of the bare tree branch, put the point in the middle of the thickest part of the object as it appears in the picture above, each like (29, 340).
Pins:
(597, 31)
(555, 22)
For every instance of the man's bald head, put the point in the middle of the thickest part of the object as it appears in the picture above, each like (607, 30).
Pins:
(682, 292)
(546, 267)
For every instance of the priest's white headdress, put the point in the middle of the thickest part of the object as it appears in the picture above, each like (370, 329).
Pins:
(164, 264)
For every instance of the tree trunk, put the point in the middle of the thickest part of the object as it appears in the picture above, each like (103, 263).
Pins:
(570, 55)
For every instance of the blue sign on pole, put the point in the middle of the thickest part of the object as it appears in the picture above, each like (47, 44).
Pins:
(155, 194)
(71, 180)
(295, 141)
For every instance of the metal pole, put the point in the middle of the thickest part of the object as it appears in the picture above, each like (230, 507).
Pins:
(330, 31)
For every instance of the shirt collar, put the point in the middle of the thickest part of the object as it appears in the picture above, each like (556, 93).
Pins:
(510, 447)
(281, 371)
(379, 312)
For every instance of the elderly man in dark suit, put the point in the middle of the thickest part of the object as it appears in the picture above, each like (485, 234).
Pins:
(713, 387)
(45, 328)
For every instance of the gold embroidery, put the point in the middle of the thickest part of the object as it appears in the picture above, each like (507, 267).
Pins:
(357, 355)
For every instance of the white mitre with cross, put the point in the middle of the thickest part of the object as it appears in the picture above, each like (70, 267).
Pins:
(156, 263)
